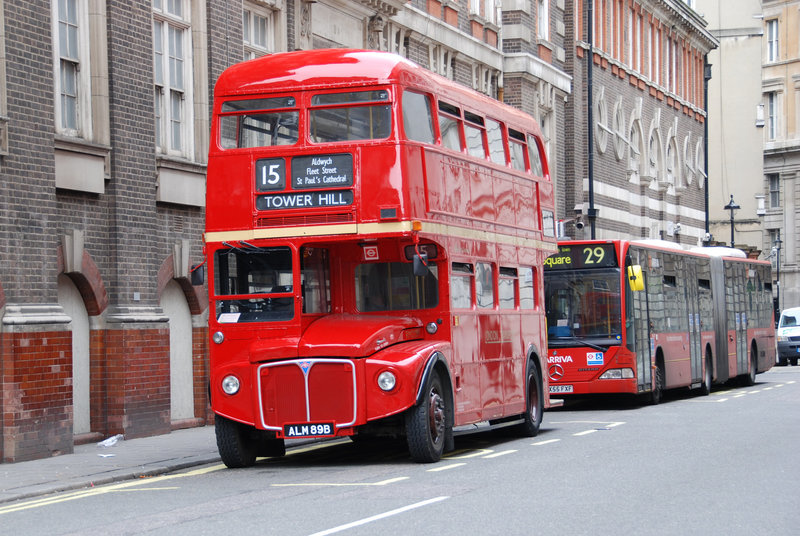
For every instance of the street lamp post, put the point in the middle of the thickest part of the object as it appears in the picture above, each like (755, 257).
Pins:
(732, 206)
(777, 247)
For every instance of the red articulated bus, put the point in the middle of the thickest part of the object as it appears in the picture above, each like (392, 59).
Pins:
(375, 236)
(641, 317)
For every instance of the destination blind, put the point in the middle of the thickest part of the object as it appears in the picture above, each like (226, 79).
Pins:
(307, 173)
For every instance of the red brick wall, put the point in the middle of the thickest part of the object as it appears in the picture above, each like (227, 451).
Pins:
(136, 381)
(36, 395)
(202, 405)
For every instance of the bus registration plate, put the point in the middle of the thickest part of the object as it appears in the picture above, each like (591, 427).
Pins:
(324, 429)
(560, 388)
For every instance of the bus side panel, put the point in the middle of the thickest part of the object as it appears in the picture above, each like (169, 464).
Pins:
(468, 407)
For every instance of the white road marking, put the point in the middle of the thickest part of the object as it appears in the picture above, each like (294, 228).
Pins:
(378, 517)
(446, 467)
(546, 442)
(498, 454)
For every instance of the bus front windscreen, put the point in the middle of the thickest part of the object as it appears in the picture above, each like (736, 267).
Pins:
(253, 284)
(583, 305)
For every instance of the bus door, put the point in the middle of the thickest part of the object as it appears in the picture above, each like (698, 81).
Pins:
(641, 325)
(693, 310)
(737, 280)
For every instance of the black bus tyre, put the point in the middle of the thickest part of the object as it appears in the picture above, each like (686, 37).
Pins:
(426, 423)
(236, 446)
(750, 378)
(534, 404)
(655, 396)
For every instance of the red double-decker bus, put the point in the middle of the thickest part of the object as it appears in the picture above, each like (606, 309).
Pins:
(375, 236)
(645, 316)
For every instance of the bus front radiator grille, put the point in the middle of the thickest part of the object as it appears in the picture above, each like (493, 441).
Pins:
(320, 390)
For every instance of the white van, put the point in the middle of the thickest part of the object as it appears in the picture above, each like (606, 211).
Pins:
(789, 336)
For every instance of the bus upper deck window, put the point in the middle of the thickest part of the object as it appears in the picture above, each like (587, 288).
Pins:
(494, 134)
(258, 123)
(348, 116)
(473, 131)
(449, 117)
(417, 120)
(516, 146)
(536, 159)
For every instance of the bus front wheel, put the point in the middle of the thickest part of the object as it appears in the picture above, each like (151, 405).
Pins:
(236, 446)
(426, 423)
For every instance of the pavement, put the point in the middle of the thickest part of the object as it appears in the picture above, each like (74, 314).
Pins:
(92, 465)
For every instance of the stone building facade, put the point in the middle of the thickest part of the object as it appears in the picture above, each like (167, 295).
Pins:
(647, 177)
(104, 120)
(781, 183)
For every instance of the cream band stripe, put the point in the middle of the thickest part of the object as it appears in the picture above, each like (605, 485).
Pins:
(379, 228)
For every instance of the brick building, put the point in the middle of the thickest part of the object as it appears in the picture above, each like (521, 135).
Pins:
(104, 118)
(648, 176)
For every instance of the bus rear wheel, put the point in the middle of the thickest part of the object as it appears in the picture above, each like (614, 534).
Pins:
(750, 378)
(236, 446)
(426, 423)
(655, 396)
(534, 404)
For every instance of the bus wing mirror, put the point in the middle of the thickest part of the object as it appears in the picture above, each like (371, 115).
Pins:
(198, 275)
(635, 278)
(420, 264)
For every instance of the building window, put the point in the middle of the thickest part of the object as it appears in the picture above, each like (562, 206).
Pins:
(72, 72)
(774, 190)
(772, 118)
(173, 76)
(543, 15)
(772, 40)
(258, 31)
(485, 9)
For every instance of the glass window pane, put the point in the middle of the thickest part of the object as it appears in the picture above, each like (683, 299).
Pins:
(315, 280)
(461, 286)
(474, 137)
(392, 286)
(517, 155)
(263, 280)
(448, 126)
(351, 123)
(505, 292)
(526, 288)
(159, 102)
(176, 118)
(494, 135)
(259, 130)
(176, 58)
(417, 120)
(484, 285)
(535, 157)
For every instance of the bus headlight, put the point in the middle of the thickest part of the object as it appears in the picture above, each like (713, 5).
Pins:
(386, 380)
(218, 337)
(230, 384)
(431, 327)
(617, 374)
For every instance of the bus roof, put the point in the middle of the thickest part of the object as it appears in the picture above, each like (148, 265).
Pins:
(341, 68)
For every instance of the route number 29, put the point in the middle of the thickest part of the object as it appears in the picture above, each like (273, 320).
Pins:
(593, 255)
